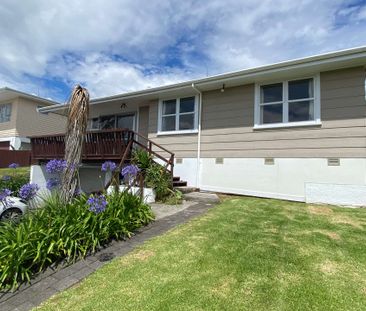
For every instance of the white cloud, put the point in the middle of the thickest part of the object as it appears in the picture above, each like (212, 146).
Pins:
(105, 76)
(115, 46)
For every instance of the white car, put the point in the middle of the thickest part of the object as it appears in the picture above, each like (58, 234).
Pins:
(17, 208)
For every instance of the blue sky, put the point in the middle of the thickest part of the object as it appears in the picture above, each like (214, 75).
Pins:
(114, 46)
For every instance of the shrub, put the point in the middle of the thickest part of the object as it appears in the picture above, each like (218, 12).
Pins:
(156, 177)
(56, 232)
(142, 159)
(159, 179)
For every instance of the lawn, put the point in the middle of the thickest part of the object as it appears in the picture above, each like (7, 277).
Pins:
(10, 171)
(244, 254)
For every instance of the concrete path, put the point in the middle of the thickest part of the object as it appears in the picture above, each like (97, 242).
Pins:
(164, 210)
(55, 280)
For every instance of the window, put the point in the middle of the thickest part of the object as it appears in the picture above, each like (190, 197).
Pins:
(126, 121)
(287, 103)
(112, 122)
(107, 122)
(94, 124)
(5, 113)
(178, 115)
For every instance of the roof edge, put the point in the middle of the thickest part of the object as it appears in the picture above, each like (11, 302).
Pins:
(46, 101)
(309, 60)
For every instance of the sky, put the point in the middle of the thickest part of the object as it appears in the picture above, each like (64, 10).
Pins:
(115, 46)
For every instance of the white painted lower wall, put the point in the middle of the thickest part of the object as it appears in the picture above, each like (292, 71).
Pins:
(187, 171)
(337, 194)
(297, 179)
(286, 179)
(91, 177)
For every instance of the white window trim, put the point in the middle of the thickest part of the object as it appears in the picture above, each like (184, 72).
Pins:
(285, 101)
(177, 102)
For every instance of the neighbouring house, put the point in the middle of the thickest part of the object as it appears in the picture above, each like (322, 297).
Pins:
(19, 119)
(293, 130)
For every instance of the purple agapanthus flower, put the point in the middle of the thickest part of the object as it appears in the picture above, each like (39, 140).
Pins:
(97, 204)
(52, 183)
(56, 166)
(28, 191)
(78, 192)
(5, 197)
(13, 165)
(6, 178)
(109, 166)
(130, 170)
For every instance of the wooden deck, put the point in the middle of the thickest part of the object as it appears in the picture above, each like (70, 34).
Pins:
(98, 145)
(101, 146)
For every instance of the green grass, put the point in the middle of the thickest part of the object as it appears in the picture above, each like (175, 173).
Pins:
(19, 171)
(245, 254)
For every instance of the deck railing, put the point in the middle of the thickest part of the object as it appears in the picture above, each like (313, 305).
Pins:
(100, 146)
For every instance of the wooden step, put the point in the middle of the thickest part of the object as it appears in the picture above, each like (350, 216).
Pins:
(179, 183)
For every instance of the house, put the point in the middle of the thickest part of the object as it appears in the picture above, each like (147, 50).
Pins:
(20, 119)
(293, 130)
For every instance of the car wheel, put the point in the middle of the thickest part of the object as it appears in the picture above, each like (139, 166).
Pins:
(11, 214)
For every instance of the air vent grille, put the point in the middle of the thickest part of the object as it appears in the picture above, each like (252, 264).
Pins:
(334, 162)
(219, 161)
(269, 161)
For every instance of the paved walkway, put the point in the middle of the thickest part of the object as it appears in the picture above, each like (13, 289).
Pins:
(53, 281)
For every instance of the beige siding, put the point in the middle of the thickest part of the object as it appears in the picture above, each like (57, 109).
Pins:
(228, 118)
(29, 122)
(183, 146)
(8, 129)
(109, 108)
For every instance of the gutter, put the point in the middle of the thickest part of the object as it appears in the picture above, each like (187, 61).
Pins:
(198, 181)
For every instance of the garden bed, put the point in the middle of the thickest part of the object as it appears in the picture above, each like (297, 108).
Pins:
(66, 232)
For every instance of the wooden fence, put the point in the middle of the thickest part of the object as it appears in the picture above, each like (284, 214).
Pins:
(22, 157)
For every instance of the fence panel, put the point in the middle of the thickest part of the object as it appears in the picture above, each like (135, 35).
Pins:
(22, 157)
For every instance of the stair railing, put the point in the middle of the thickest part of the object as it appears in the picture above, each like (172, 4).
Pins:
(153, 148)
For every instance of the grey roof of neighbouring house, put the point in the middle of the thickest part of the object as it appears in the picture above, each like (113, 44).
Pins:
(9, 93)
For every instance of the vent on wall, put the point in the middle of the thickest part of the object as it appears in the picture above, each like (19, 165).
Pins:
(219, 160)
(178, 161)
(269, 161)
(334, 162)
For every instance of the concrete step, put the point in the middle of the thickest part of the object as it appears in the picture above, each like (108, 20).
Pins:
(187, 189)
(205, 197)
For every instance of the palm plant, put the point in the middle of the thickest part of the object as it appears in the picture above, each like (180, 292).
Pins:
(75, 132)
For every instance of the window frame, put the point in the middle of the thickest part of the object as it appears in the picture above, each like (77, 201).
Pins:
(10, 105)
(134, 114)
(285, 102)
(177, 114)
